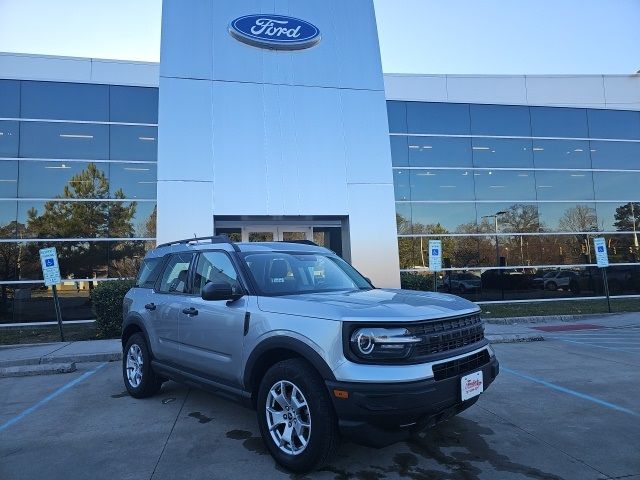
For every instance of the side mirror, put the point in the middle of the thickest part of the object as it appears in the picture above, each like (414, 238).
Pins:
(218, 291)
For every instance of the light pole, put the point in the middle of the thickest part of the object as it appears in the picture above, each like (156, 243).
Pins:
(495, 218)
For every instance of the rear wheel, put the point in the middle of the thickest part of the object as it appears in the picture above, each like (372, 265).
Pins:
(296, 417)
(552, 286)
(139, 378)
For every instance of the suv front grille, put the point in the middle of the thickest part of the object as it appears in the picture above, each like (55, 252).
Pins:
(460, 366)
(444, 335)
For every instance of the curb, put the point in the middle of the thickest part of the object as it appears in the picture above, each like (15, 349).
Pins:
(515, 338)
(547, 318)
(77, 358)
(32, 370)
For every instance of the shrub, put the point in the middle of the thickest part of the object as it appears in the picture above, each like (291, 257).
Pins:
(416, 281)
(107, 300)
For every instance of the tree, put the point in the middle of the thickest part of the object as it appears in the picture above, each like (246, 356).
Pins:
(628, 217)
(77, 219)
(581, 218)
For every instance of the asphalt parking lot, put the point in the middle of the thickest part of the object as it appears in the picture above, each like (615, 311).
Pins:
(566, 408)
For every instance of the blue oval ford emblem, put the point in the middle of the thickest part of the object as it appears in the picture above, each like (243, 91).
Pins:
(276, 32)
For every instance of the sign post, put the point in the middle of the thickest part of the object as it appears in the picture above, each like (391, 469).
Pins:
(602, 258)
(435, 260)
(51, 274)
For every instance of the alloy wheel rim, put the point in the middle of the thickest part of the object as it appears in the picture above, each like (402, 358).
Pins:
(288, 417)
(134, 365)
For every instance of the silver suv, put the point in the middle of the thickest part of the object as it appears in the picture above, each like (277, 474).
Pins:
(299, 335)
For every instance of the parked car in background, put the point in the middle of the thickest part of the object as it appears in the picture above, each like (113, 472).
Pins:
(464, 282)
(566, 280)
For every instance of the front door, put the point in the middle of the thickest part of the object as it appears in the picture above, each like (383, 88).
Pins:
(276, 233)
(212, 332)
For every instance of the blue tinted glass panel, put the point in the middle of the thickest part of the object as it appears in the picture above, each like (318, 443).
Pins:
(561, 154)
(64, 140)
(59, 219)
(439, 152)
(133, 143)
(504, 185)
(63, 179)
(132, 219)
(399, 155)
(9, 98)
(134, 104)
(444, 118)
(621, 217)
(518, 217)
(401, 180)
(65, 101)
(500, 120)
(441, 185)
(614, 124)
(9, 139)
(8, 179)
(617, 185)
(7, 219)
(403, 218)
(130, 180)
(443, 217)
(558, 122)
(568, 217)
(493, 152)
(622, 155)
(397, 112)
(554, 185)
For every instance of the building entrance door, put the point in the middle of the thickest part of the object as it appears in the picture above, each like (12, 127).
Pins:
(276, 233)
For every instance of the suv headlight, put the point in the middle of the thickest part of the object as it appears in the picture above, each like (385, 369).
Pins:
(372, 343)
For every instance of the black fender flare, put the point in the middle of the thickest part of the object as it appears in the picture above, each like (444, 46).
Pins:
(134, 320)
(286, 343)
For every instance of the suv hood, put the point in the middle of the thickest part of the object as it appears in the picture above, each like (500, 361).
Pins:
(377, 305)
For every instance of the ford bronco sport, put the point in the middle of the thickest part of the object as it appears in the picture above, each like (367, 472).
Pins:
(298, 334)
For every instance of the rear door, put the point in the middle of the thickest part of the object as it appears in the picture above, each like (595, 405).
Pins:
(171, 297)
(212, 334)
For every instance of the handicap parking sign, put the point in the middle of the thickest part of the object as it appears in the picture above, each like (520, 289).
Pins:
(434, 251)
(48, 262)
(602, 258)
(435, 259)
(50, 267)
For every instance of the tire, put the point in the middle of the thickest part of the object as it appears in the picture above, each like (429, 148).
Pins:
(552, 286)
(139, 378)
(300, 381)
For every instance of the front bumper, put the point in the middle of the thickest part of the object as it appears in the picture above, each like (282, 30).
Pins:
(378, 415)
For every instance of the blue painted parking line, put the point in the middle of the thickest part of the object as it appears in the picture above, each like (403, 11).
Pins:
(49, 397)
(568, 391)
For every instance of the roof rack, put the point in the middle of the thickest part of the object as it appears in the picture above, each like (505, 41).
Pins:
(213, 239)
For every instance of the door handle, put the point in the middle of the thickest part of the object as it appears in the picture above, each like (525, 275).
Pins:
(190, 311)
(150, 306)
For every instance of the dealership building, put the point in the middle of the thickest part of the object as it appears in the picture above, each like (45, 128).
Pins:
(248, 130)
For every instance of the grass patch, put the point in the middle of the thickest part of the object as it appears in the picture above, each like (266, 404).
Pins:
(46, 334)
(570, 307)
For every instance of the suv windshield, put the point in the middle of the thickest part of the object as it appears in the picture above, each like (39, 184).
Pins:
(280, 273)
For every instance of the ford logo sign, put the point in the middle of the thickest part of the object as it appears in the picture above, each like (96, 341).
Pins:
(275, 32)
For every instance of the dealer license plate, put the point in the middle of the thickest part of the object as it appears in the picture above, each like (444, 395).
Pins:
(471, 385)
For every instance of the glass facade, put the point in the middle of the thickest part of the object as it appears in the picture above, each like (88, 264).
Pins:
(517, 194)
(77, 172)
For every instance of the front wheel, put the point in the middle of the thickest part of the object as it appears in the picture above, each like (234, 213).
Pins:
(296, 417)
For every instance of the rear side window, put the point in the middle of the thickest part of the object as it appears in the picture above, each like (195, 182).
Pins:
(148, 273)
(174, 276)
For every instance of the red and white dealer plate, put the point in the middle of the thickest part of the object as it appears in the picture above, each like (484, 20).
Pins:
(471, 385)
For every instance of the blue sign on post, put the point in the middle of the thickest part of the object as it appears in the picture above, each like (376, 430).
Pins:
(602, 257)
(275, 32)
(50, 267)
(435, 255)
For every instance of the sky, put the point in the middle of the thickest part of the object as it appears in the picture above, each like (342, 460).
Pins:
(416, 36)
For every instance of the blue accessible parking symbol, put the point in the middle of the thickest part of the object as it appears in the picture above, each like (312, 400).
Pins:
(434, 251)
(49, 262)
(600, 249)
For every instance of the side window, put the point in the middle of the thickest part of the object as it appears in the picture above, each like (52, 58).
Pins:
(174, 277)
(149, 272)
(215, 267)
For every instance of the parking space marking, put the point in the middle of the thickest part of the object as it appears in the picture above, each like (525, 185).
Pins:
(568, 391)
(50, 397)
(587, 344)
